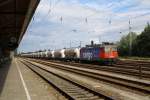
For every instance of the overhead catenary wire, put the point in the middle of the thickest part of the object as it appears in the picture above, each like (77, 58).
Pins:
(48, 12)
(86, 19)
(51, 7)
(44, 17)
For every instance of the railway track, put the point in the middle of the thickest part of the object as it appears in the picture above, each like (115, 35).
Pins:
(69, 89)
(132, 64)
(141, 72)
(145, 64)
(136, 84)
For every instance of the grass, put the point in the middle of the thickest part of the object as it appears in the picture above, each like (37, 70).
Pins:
(135, 58)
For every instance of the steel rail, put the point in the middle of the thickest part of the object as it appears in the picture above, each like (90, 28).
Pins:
(69, 89)
(132, 84)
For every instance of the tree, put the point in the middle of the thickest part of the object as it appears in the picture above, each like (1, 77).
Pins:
(142, 46)
(124, 44)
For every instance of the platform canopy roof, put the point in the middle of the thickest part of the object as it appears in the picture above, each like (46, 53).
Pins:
(15, 16)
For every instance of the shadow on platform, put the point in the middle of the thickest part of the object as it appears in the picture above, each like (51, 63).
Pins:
(4, 68)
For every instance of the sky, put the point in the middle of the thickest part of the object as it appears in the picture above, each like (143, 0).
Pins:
(60, 24)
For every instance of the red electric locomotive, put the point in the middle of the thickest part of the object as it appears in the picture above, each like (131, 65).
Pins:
(103, 53)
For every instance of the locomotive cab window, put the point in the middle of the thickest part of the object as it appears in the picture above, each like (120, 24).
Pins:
(114, 48)
(107, 49)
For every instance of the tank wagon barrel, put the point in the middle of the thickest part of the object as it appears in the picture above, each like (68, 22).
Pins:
(72, 53)
(57, 54)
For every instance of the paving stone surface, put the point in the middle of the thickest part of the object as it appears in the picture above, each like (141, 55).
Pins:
(12, 87)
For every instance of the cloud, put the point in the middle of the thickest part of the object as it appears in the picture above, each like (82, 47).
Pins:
(59, 23)
(144, 2)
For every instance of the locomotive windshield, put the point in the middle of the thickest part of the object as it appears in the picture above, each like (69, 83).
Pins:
(110, 48)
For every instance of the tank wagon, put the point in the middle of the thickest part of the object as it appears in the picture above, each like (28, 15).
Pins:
(59, 54)
(49, 54)
(103, 53)
(72, 54)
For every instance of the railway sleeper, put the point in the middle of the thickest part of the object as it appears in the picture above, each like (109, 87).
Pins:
(110, 79)
(56, 81)
(83, 96)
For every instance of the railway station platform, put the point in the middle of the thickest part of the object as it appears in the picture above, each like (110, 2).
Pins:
(17, 82)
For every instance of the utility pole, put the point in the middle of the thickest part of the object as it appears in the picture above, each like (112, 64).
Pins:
(70, 43)
(130, 39)
(99, 39)
(61, 19)
(80, 44)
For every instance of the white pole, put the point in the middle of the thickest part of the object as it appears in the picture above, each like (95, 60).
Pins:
(130, 40)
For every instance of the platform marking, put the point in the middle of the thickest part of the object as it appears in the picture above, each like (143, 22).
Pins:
(23, 82)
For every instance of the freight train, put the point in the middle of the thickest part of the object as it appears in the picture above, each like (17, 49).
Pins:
(102, 53)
